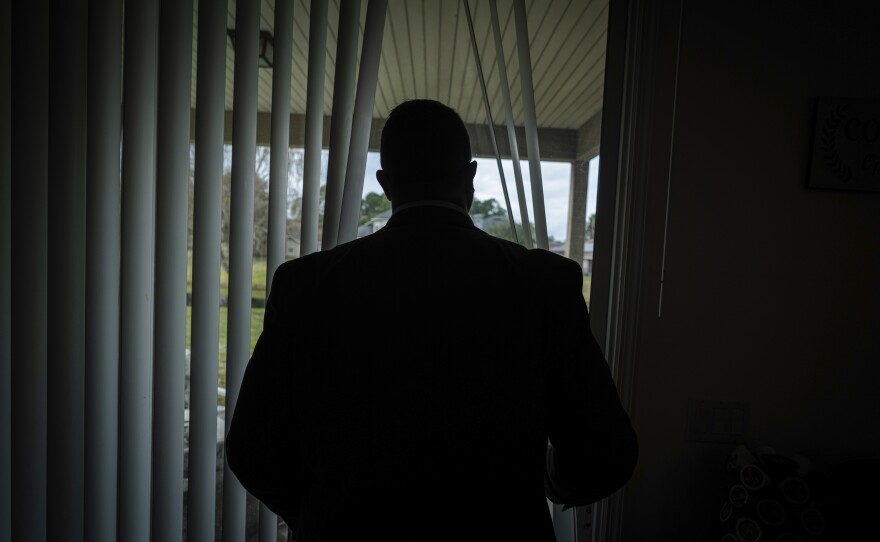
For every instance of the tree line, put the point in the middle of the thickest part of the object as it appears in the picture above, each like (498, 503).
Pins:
(372, 204)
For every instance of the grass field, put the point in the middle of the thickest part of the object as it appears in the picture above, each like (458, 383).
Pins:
(258, 279)
(256, 328)
(258, 291)
(588, 280)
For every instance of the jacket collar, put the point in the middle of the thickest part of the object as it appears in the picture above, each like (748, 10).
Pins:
(429, 212)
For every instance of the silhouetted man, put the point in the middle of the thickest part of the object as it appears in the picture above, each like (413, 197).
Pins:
(406, 384)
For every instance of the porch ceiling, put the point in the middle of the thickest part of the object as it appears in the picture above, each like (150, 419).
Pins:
(426, 53)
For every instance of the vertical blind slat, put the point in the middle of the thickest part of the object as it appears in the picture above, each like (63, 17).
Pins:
(136, 323)
(30, 120)
(172, 178)
(278, 158)
(314, 126)
(362, 121)
(530, 122)
(66, 257)
(204, 334)
(489, 118)
(340, 121)
(511, 124)
(5, 277)
(103, 242)
(241, 231)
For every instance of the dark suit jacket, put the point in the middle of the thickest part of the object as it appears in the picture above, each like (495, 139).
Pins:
(406, 384)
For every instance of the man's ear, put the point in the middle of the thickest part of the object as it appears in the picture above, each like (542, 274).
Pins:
(470, 171)
(384, 182)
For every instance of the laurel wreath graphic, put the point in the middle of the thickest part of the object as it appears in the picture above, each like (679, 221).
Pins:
(829, 145)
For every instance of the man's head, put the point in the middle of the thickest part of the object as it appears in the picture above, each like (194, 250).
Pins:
(426, 154)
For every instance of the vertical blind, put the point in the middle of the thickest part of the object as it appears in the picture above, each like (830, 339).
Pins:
(66, 259)
(103, 254)
(139, 80)
(29, 273)
(94, 247)
(172, 165)
(5, 281)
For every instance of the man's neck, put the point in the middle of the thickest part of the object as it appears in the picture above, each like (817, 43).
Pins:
(429, 203)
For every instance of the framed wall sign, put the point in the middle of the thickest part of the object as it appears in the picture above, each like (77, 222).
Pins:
(846, 144)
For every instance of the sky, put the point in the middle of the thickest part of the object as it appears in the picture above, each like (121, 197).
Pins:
(487, 184)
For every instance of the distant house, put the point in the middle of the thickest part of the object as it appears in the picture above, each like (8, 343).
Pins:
(557, 247)
(587, 265)
(487, 222)
(374, 224)
(588, 257)
(294, 232)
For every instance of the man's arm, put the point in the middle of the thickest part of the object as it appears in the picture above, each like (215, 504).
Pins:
(593, 447)
(262, 446)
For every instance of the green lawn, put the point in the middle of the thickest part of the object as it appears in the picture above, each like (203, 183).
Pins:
(588, 280)
(256, 328)
(258, 291)
(258, 280)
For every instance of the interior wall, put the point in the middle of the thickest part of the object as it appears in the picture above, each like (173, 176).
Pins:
(772, 289)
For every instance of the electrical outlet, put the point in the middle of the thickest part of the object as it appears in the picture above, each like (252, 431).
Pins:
(717, 421)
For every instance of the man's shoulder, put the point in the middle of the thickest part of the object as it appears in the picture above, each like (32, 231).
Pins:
(551, 262)
(552, 276)
(298, 269)
(313, 265)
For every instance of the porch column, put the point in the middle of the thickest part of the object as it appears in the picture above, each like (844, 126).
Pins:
(577, 210)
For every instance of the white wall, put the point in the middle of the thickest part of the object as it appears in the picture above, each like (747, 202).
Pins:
(772, 293)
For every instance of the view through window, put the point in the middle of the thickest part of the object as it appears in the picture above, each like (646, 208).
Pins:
(489, 213)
